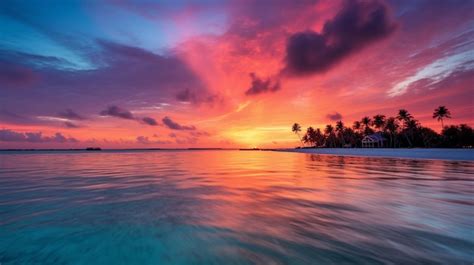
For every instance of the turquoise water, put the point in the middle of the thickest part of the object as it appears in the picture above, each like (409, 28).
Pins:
(231, 207)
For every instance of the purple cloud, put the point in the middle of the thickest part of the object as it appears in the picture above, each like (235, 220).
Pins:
(357, 25)
(197, 96)
(146, 140)
(120, 74)
(14, 75)
(118, 112)
(71, 125)
(7, 135)
(334, 116)
(199, 134)
(115, 111)
(168, 122)
(259, 85)
(150, 121)
(70, 115)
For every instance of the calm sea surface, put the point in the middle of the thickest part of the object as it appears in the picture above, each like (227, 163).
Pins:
(233, 207)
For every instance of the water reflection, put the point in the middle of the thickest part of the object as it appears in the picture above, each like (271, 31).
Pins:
(230, 207)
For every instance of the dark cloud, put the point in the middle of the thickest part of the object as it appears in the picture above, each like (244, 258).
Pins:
(168, 122)
(118, 74)
(71, 125)
(146, 140)
(10, 117)
(197, 96)
(357, 25)
(143, 140)
(199, 134)
(70, 115)
(118, 112)
(186, 95)
(14, 75)
(150, 121)
(334, 116)
(7, 135)
(259, 85)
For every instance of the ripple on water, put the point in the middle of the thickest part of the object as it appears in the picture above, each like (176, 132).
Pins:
(231, 207)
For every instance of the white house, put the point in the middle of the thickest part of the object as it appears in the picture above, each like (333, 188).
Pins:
(373, 140)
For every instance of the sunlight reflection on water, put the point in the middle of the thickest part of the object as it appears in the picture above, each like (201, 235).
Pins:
(231, 207)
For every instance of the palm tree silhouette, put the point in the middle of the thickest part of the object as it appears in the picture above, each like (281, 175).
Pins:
(310, 136)
(296, 128)
(441, 113)
(329, 131)
(391, 127)
(357, 126)
(366, 121)
(340, 132)
(379, 121)
(404, 115)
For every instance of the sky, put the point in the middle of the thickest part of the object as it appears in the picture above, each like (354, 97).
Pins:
(176, 74)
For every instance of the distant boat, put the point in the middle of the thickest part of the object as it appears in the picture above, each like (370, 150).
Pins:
(93, 149)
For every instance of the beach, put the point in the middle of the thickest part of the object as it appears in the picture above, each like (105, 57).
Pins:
(408, 153)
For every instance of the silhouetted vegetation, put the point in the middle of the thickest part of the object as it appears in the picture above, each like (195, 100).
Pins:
(402, 130)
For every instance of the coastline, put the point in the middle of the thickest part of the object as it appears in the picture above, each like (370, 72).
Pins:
(403, 153)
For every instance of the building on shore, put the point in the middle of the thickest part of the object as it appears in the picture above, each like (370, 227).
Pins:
(373, 140)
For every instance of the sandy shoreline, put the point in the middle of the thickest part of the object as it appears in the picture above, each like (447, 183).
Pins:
(415, 153)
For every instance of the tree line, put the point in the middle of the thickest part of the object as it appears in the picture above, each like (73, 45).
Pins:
(402, 130)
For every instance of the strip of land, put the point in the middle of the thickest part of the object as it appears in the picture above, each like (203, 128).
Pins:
(413, 153)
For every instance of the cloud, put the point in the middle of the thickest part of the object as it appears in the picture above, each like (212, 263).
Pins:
(10, 117)
(357, 25)
(186, 95)
(334, 116)
(259, 85)
(435, 72)
(143, 140)
(199, 134)
(13, 75)
(168, 122)
(7, 135)
(119, 74)
(70, 115)
(71, 125)
(197, 96)
(118, 112)
(146, 140)
(150, 121)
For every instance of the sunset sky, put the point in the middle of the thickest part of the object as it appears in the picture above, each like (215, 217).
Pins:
(123, 74)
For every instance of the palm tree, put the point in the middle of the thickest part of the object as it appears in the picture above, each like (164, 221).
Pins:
(318, 137)
(340, 132)
(296, 128)
(366, 121)
(329, 132)
(357, 126)
(309, 136)
(379, 121)
(391, 127)
(440, 113)
(350, 136)
(406, 117)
